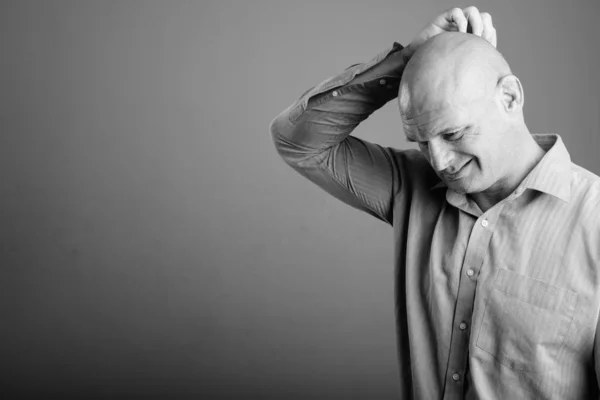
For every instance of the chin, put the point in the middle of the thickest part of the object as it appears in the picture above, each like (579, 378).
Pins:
(464, 186)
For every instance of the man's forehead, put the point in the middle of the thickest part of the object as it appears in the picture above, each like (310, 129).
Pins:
(437, 119)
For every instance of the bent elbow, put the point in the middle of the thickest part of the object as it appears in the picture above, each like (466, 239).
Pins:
(296, 144)
(274, 131)
(282, 132)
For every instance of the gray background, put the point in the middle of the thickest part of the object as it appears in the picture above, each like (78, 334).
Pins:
(152, 242)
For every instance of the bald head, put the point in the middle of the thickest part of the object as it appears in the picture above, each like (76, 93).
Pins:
(450, 67)
(462, 105)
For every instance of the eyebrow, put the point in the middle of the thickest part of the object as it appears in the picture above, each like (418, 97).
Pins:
(443, 132)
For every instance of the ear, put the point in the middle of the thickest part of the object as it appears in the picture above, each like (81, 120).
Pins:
(511, 93)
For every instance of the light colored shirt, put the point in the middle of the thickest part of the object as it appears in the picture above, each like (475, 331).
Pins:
(496, 305)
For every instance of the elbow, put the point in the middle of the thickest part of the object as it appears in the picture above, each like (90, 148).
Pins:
(281, 132)
(274, 129)
(291, 140)
(277, 134)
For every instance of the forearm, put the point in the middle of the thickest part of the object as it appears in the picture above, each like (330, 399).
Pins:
(326, 114)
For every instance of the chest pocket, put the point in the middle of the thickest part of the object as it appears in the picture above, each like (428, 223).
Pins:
(525, 320)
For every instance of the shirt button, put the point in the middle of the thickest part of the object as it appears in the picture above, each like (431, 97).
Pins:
(382, 82)
(456, 376)
(484, 223)
(470, 272)
(462, 326)
(335, 93)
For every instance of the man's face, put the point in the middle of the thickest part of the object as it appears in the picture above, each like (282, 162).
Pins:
(461, 141)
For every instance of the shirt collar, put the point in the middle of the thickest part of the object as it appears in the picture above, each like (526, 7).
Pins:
(552, 175)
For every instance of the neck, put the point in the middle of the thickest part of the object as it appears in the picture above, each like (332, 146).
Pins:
(526, 158)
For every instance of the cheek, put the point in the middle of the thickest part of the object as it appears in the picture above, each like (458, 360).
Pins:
(468, 149)
(482, 161)
(491, 162)
(483, 149)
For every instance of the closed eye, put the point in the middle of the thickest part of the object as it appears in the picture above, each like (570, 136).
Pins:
(451, 136)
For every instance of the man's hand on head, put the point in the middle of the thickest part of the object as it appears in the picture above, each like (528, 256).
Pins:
(467, 20)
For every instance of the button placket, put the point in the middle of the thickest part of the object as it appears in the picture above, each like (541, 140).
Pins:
(459, 346)
(461, 336)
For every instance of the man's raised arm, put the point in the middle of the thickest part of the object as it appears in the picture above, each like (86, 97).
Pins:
(312, 135)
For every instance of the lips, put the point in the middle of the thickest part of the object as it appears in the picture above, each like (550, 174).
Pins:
(457, 174)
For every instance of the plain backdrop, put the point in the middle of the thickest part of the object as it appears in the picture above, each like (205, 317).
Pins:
(154, 245)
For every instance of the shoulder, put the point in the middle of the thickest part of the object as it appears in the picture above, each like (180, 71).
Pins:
(585, 198)
(585, 183)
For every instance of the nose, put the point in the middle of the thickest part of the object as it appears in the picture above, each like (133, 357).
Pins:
(440, 156)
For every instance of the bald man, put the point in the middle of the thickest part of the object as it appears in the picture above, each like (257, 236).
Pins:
(460, 102)
(496, 231)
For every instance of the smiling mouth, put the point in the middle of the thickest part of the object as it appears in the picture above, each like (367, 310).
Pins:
(456, 175)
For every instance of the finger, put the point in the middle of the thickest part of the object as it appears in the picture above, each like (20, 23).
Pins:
(457, 17)
(472, 14)
(489, 32)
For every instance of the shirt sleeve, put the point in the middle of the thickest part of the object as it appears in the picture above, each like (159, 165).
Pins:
(312, 135)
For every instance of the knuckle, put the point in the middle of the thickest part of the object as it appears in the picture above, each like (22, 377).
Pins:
(471, 9)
